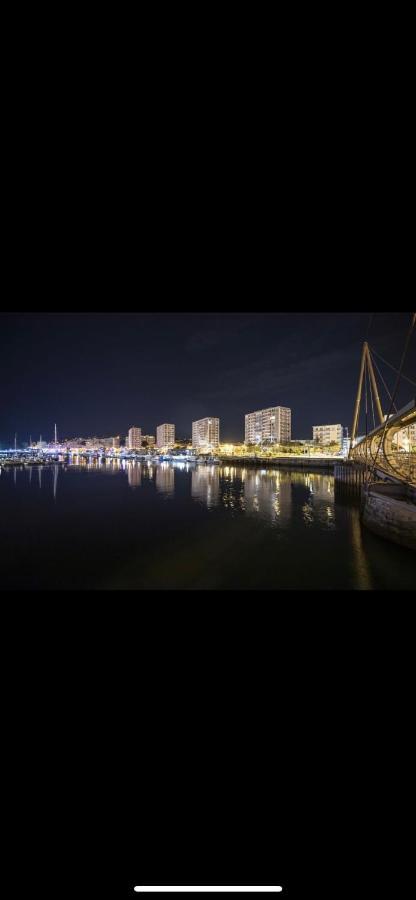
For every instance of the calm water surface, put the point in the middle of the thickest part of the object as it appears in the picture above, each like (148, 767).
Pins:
(132, 525)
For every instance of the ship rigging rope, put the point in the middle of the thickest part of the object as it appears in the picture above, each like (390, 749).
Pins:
(381, 442)
(366, 397)
(406, 377)
(372, 403)
(384, 383)
(366, 376)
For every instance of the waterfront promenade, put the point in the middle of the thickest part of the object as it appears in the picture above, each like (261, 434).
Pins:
(291, 461)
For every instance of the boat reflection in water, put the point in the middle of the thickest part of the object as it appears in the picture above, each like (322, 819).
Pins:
(55, 480)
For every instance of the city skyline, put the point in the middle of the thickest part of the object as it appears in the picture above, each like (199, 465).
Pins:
(205, 451)
(92, 373)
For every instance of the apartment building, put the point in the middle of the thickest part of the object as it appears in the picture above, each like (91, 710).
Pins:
(269, 426)
(134, 438)
(165, 436)
(329, 434)
(148, 440)
(99, 443)
(205, 433)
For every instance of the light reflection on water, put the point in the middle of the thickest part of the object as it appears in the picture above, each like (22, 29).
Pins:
(165, 479)
(273, 495)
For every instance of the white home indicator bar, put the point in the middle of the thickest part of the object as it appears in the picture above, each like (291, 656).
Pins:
(208, 889)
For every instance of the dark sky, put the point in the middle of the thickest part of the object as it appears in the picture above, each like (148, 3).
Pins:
(98, 374)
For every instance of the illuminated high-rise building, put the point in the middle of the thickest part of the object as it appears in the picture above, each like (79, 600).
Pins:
(165, 436)
(206, 433)
(269, 426)
(134, 438)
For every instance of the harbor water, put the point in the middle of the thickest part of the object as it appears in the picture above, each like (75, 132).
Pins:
(104, 524)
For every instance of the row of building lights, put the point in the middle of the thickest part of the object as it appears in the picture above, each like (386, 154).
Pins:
(266, 427)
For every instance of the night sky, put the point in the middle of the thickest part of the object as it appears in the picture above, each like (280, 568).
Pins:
(98, 374)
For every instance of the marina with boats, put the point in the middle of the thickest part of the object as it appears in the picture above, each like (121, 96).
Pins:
(23, 458)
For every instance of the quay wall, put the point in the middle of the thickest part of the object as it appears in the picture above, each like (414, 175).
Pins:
(350, 475)
(389, 516)
(298, 462)
(387, 508)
